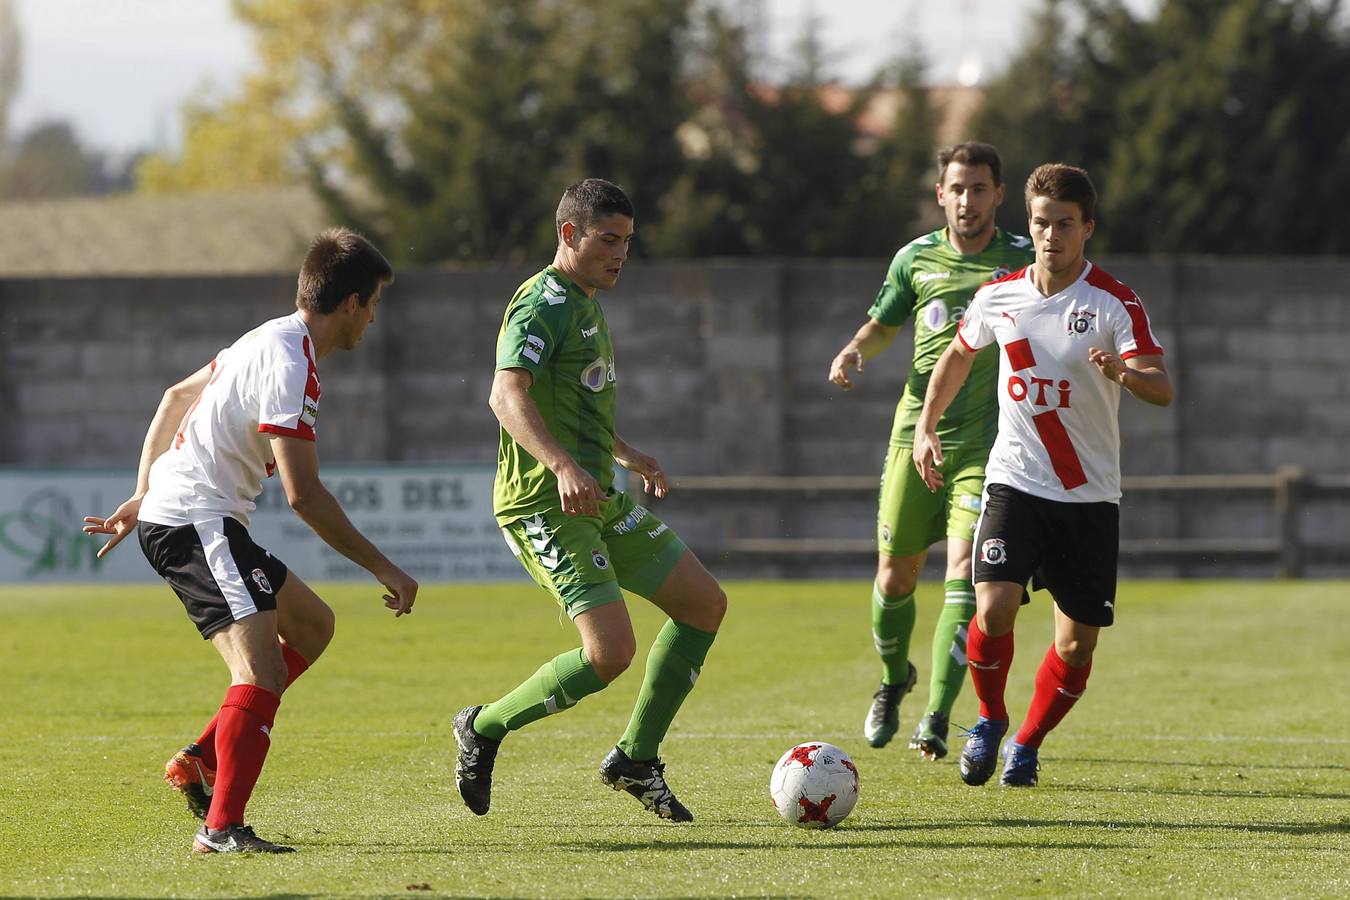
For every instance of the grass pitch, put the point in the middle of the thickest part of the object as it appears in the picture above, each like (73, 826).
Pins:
(1210, 756)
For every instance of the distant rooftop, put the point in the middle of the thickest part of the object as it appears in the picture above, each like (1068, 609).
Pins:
(189, 234)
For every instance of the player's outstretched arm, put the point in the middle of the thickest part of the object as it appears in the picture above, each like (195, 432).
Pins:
(1143, 376)
(518, 414)
(298, 465)
(951, 371)
(173, 408)
(634, 460)
(870, 340)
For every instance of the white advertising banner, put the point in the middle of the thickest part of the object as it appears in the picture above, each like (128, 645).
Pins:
(435, 521)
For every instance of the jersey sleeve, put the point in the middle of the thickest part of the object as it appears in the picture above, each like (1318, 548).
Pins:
(895, 301)
(1131, 330)
(531, 334)
(974, 331)
(288, 402)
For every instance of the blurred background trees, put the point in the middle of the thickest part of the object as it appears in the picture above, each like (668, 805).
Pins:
(447, 128)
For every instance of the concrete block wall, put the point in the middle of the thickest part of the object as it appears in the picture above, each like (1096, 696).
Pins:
(721, 366)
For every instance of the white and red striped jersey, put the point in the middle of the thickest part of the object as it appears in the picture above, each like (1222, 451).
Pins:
(262, 385)
(1058, 430)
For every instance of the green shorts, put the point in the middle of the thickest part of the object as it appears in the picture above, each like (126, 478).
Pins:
(911, 518)
(583, 561)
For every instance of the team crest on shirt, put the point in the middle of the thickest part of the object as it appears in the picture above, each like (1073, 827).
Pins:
(260, 579)
(994, 552)
(1081, 321)
(599, 559)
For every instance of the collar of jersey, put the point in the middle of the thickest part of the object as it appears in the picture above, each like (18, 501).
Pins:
(573, 289)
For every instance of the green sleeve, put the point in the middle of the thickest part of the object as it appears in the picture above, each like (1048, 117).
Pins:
(532, 334)
(895, 301)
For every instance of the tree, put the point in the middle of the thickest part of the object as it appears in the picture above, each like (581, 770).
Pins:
(49, 161)
(1201, 125)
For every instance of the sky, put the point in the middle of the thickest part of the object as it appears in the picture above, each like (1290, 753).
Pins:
(119, 69)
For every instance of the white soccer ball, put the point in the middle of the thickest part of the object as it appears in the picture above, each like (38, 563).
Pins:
(814, 785)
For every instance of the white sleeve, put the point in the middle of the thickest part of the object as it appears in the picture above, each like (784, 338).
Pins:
(974, 331)
(288, 402)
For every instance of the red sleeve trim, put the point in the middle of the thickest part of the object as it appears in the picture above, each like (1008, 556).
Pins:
(1011, 276)
(304, 432)
(960, 337)
(1144, 342)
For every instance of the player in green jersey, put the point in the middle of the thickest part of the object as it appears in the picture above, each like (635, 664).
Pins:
(578, 537)
(932, 278)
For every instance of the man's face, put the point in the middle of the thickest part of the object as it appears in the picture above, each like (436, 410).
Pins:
(969, 197)
(1059, 233)
(359, 319)
(601, 250)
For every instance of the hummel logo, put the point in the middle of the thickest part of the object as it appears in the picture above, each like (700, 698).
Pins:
(590, 332)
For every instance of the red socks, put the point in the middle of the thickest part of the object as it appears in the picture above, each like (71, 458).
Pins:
(989, 659)
(1058, 687)
(295, 667)
(243, 728)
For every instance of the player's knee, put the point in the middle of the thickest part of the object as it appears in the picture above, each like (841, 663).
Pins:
(714, 608)
(265, 670)
(324, 625)
(1075, 651)
(896, 580)
(612, 660)
(995, 621)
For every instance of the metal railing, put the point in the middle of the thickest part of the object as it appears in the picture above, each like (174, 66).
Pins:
(1288, 487)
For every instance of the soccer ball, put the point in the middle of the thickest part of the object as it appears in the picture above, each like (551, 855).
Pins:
(814, 785)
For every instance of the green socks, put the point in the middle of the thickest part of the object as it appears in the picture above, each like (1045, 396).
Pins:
(557, 685)
(892, 625)
(672, 668)
(949, 646)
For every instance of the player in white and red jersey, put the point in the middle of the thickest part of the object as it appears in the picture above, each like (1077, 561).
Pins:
(1070, 337)
(214, 438)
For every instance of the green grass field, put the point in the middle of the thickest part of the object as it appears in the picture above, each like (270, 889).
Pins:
(1210, 756)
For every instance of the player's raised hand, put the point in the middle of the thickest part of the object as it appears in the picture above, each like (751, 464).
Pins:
(119, 524)
(928, 459)
(1111, 366)
(578, 491)
(402, 590)
(849, 358)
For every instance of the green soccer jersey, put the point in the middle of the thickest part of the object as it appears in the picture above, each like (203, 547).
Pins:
(934, 281)
(559, 335)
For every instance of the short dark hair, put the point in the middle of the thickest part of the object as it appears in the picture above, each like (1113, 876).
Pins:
(340, 263)
(590, 200)
(971, 153)
(1065, 183)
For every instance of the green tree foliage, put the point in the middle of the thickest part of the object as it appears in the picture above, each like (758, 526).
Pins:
(790, 170)
(49, 161)
(1203, 126)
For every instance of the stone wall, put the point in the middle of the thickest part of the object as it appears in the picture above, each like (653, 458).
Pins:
(722, 370)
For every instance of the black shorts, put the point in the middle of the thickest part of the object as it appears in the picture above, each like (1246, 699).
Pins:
(215, 569)
(1071, 549)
